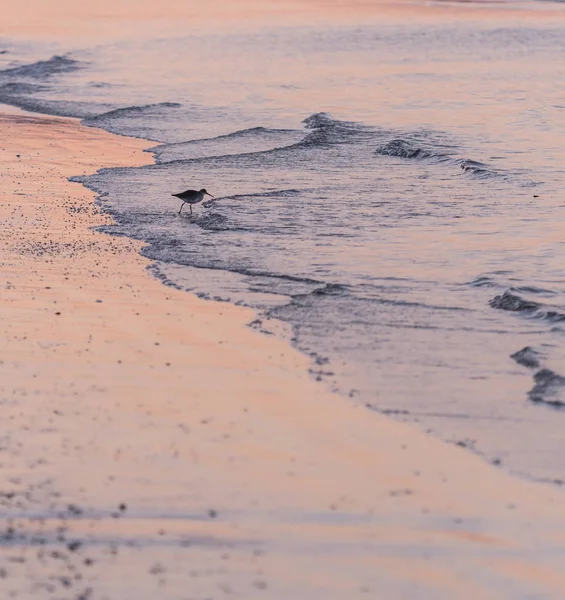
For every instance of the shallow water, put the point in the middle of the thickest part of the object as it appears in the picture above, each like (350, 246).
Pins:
(391, 190)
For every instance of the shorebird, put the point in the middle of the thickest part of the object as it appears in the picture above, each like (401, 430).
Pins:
(191, 197)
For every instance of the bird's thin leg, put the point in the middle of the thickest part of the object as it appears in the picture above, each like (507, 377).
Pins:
(190, 206)
(181, 206)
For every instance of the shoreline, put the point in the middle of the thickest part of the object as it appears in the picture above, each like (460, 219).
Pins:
(180, 449)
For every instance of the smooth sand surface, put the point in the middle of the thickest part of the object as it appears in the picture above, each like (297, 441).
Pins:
(153, 446)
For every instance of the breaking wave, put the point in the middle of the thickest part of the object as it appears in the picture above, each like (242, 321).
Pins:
(514, 303)
(256, 139)
(20, 85)
(418, 150)
(251, 131)
(327, 131)
(133, 121)
(131, 111)
(477, 168)
(549, 388)
(527, 357)
(43, 69)
(405, 149)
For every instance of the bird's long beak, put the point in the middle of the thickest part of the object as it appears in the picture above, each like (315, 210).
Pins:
(210, 195)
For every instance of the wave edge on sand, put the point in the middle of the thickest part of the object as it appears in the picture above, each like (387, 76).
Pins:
(158, 449)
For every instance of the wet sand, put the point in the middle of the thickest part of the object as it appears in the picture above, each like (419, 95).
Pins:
(154, 446)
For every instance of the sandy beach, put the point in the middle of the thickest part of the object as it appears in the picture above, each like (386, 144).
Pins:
(154, 446)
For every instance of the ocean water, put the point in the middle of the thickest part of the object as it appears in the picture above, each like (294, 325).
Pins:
(393, 191)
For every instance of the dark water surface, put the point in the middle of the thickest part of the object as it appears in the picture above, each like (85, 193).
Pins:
(394, 192)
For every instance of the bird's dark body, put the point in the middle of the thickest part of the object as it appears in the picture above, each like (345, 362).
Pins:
(191, 197)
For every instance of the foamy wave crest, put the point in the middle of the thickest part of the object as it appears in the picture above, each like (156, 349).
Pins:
(19, 87)
(416, 149)
(483, 281)
(514, 303)
(527, 357)
(252, 131)
(244, 141)
(59, 108)
(317, 120)
(261, 142)
(404, 149)
(134, 121)
(549, 388)
(474, 167)
(132, 111)
(43, 69)
(15, 88)
(328, 132)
